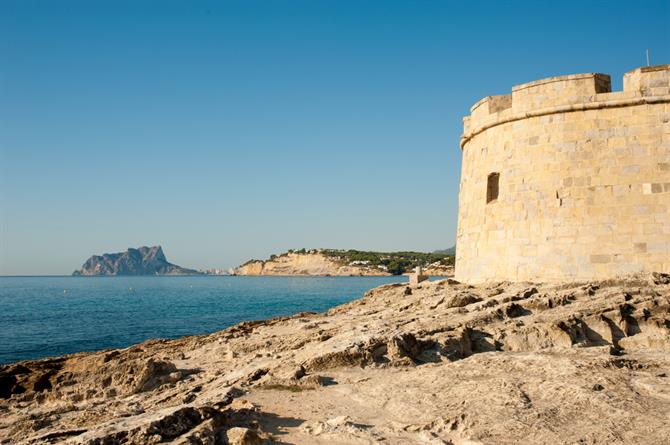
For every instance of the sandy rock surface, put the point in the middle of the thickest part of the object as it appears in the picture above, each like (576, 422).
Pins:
(436, 363)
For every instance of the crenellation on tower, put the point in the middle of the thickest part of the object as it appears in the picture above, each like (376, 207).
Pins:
(557, 91)
(648, 80)
(561, 94)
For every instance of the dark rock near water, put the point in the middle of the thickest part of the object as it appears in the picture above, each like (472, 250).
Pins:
(142, 261)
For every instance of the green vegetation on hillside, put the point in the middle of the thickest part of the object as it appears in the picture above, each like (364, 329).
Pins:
(396, 262)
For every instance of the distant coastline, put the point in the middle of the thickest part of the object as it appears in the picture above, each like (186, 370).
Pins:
(332, 262)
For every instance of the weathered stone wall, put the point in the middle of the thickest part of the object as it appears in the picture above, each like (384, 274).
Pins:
(584, 180)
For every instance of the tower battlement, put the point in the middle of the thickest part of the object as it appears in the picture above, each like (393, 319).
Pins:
(564, 94)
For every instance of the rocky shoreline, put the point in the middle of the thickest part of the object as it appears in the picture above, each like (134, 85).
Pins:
(434, 363)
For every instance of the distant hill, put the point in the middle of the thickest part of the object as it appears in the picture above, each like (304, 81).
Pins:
(450, 251)
(141, 261)
(347, 262)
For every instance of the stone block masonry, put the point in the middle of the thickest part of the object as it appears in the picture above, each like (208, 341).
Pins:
(564, 180)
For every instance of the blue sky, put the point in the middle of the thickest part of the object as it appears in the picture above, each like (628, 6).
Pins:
(232, 130)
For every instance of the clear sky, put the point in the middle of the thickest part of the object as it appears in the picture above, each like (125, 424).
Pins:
(231, 130)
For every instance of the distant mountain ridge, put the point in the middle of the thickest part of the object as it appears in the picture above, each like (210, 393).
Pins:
(141, 261)
(450, 251)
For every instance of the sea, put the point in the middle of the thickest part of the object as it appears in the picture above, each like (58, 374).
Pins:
(51, 316)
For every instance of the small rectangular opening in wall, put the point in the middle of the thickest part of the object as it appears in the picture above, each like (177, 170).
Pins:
(492, 187)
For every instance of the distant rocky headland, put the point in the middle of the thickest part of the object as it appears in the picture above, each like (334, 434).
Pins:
(333, 262)
(142, 261)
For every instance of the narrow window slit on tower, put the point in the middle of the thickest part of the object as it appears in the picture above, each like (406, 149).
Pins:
(492, 186)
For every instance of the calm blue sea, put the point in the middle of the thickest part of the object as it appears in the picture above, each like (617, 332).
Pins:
(48, 316)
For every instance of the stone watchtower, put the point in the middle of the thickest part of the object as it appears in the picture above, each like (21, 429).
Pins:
(565, 180)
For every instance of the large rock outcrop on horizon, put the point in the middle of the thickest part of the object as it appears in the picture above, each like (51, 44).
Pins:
(142, 261)
(440, 363)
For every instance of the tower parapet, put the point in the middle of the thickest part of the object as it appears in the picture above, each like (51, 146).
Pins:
(566, 93)
(564, 179)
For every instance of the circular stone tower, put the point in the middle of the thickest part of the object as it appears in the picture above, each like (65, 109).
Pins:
(565, 180)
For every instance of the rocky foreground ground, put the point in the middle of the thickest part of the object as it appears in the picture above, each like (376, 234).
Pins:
(435, 363)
